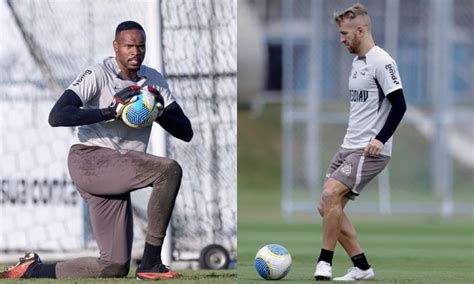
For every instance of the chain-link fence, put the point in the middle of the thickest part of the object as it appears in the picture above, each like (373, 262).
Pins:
(200, 63)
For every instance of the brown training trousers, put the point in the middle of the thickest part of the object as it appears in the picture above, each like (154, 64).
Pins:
(105, 178)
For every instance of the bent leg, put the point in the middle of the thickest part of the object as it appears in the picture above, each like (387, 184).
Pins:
(348, 235)
(332, 204)
(117, 174)
(330, 207)
(162, 200)
(103, 171)
(86, 267)
(112, 224)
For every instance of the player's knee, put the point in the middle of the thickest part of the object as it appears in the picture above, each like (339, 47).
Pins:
(321, 209)
(329, 198)
(114, 269)
(174, 169)
(326, 196)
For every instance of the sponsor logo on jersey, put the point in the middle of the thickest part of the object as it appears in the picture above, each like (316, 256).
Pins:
(391, 71)
(359, 96)
(79, 80)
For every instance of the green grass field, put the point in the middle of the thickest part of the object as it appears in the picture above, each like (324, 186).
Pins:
(401, 248)
(188, 277)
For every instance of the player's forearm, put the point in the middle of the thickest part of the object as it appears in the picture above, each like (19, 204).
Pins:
(68, 112)
(394, 117)
(176, 123)
(73, 116)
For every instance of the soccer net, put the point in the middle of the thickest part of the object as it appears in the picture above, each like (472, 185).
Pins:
(54, 41)
(200, 62)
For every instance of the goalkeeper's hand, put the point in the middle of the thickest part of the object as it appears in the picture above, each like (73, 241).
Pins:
(159, 98)
(124, 97)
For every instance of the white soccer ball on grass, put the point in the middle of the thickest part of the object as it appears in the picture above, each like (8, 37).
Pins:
(273, 262)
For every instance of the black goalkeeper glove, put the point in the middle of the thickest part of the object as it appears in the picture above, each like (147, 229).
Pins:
(159, 98)
(121, 99)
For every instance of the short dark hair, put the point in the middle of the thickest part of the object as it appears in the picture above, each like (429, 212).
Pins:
(128, 25)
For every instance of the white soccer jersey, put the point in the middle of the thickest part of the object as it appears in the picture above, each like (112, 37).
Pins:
(96, 86)
(372, 78)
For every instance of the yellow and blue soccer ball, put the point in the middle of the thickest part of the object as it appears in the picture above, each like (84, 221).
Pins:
(142, 112)
(273, 262)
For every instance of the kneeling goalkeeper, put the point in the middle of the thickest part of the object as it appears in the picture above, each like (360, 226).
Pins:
(107, 161)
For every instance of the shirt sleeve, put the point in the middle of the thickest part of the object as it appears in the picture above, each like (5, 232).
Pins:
(87, 84)
(166, 93)
(156, 79)
(386, 73)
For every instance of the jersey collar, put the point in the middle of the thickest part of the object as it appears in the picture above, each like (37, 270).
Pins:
(112, 61)
(364, 57)
(372, 50)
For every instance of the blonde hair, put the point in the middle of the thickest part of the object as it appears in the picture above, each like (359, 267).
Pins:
(355, 11)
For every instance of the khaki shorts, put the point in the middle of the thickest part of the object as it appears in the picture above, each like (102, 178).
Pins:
(353, 169)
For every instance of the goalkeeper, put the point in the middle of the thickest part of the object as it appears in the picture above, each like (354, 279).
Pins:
(107, 161)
